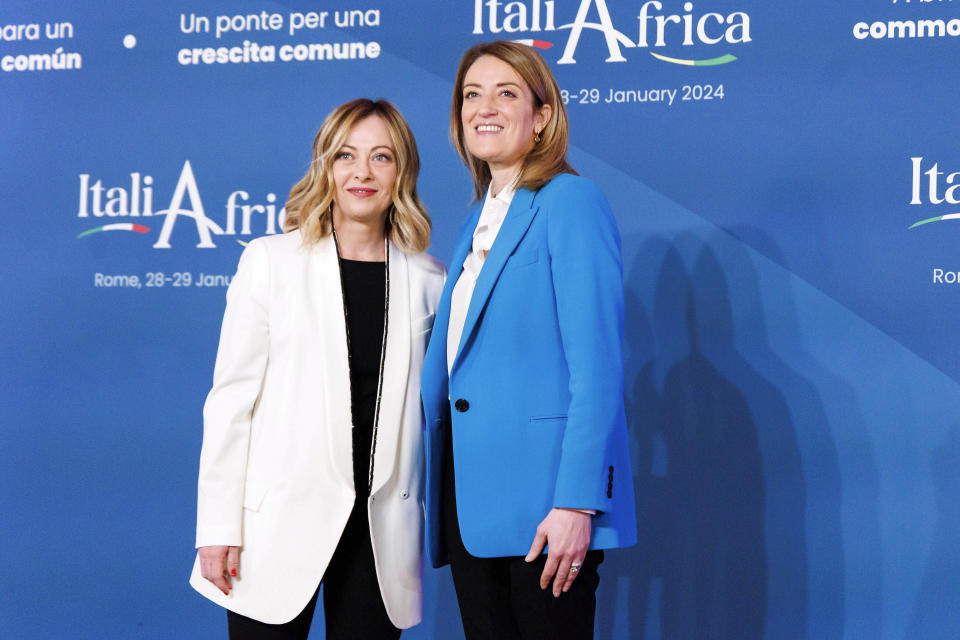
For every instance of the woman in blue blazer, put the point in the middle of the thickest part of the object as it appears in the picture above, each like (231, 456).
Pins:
(528, 475)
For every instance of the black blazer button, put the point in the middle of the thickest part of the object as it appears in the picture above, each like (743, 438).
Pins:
(461, 405)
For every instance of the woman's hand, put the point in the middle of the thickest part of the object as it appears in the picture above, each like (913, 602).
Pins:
(567, 532)
(218, 564)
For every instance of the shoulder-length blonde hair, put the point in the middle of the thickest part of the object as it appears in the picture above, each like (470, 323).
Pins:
(310, 204)
(548, 158)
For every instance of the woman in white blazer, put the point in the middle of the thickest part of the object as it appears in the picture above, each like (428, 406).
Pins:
(311, 467)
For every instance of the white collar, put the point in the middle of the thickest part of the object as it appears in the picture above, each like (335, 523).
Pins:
(493, 213)
(506, 194)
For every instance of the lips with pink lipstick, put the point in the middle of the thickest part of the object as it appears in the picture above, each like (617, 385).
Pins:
(362, 192)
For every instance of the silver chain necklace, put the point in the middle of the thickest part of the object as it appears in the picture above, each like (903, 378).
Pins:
(383, 343)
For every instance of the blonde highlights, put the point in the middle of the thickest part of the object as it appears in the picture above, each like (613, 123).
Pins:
(548, 158)
(310, 204)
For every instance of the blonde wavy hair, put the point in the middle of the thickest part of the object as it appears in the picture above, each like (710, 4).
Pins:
(310, 204)
(548, 158)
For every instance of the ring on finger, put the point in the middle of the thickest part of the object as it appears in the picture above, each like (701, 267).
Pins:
(575, 567)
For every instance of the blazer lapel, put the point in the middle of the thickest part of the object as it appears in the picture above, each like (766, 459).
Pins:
(396, 368)
(515, 225)
(435, 361)
(323, 277)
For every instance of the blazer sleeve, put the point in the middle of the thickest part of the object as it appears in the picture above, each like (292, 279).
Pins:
(587, 272)
(228, 411)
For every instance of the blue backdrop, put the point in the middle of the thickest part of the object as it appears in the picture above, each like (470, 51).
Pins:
(792, 378)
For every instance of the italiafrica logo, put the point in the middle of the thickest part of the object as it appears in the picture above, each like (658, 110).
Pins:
(935, 192)
(654, 28)
(136, 201)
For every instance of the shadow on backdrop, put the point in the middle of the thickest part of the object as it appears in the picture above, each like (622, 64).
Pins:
(721, 493)
(938, 606)
(715, 577)
(844, 580)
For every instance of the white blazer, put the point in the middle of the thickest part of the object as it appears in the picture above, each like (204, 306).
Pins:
(276, 468)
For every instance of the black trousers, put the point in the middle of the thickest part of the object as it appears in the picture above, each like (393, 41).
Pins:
(353, 606)
(501, 599)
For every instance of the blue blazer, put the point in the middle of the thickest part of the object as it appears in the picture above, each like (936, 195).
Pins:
(534, 401)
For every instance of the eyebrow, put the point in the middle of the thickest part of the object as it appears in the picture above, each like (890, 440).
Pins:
(379, 146)
(499, 84)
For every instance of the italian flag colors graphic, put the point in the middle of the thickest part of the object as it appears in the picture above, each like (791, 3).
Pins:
(711, 62)
(949, 216)
(119, 226)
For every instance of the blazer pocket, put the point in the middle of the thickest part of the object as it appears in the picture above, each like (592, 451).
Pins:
(423, 325)
(253, 495)
(522, 258)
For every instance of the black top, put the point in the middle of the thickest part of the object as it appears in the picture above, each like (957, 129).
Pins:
(364, 289)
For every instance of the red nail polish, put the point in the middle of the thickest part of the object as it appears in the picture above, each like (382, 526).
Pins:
(233, 572)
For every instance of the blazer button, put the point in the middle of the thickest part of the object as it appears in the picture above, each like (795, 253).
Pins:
(404, 494)
(461, 405)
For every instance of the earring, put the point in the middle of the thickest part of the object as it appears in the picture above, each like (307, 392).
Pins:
(536, 138)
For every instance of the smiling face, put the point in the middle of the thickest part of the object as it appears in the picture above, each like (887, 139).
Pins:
(499, 115)
(364, 173)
